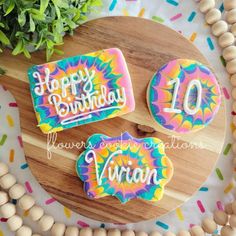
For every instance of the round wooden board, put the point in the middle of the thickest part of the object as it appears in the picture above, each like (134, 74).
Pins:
(146, 46)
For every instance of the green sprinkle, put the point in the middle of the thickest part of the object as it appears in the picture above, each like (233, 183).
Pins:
(158, 19)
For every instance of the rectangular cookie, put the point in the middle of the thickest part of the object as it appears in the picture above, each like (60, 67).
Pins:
(80, 90)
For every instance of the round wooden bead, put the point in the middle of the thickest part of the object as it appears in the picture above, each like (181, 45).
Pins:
(231, 16)
(141, 233)
(234, 120)
(3, 169)
(72, 231)
(155, 233)
(233, 29)
(232, 221)
(219, 28)
(26, 202)
(229, 4)
(197, 231)
(86, 232)
(209, 225)
(233, 79)
(3, 198)
(46, 222)
(234, 93)
(183, 233)
(114, 232)
(36, 235)
(128, 232)
(206, 5)
(58, 229)
(16, 191)
(231, 66)
(228, 207)
(227, 231)
(213, 16)
(220, 217)
(226, 39)
(168, 233)
(24, 231)
(234, 135)
(229, 53)
(35, 213)
(99, 232)
(7, 181)
(14, 223)
(8, 210)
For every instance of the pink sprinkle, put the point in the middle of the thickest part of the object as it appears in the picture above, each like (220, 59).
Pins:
(3, 220)
(50, 201)
(219, 205)
(82, 224)
(28, 187)
(176, 17)
(191, 225)
(200, 206)
(226, 93)
(20, 141)
(12, 104)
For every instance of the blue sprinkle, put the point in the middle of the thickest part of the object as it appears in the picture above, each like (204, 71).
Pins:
(113, 5)
(162, 225)
(191, 17)
(172, 2)
(102, 226)
(203, 189)
(210, 43)
(14, 201)
(222, 8)
(24, 166)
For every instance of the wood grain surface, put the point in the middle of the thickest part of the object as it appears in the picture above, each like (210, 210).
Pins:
(146, 46)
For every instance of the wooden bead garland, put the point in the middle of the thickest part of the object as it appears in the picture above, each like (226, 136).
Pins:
(24, 231)
(46, 223)
(232, 221)
(226, 39)
(219, 28)
(14, 223)
(103, 232)
(209, 225)
(3, 198)
(233, 29)
(234, 207)
(228, 207)
(229, 4)
(197, 231)
(227, 231)
(206, 5)
(213, 16)
(26, 202)
(72, 231)
(86, 232)
(220, 217)
(3, 169)
(8, 210)
(168, 233)
(231, 16)
(16, 191)
(183, 233)
(229, 53)
(7, 181)
(116, 232)
(58, 229)
(231, 66)
(141, 233)
(127, 233)
(35, 213)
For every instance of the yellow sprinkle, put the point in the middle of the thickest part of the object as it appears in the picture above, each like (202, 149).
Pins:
(179, 214)
(125, 12)
(229, 188)
(12, 155)
(26, 213)
(10, 121)
(1, 233)
(193, 37)
(141, 13)
(67, 212)
(232, 126)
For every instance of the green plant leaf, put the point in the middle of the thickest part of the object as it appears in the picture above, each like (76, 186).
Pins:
(19, 48)
(32, 24)
(4, 39)
(10, 8)
(2, 71)
(22, 19)
(43, 5)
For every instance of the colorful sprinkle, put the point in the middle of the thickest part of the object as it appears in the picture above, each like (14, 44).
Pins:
(179, 214)
(172, 2)
(176, 17)
(162, 225)
(82, 224)
(20, 141)
(219, 174)
(192, 16)
(210, 43)
(223, 61)
(10, 121)
(24, 166)
(200, 206)
(158, 19)
(193, 37)
(226, 93)
(12, 104)
(67, 212)
(228, 188)
(227, 148)
(203, 189)
(113, 5)
(11, 155)
(219, 205)
(3, 139)
(222, 8)
(142, 12)
(28, 187)
(50, 201)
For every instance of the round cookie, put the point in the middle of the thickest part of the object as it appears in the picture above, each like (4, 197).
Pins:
(183, 96)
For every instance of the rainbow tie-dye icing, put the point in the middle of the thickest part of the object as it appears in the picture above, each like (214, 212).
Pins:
(124, 167)
(80, 90)
(184, 96)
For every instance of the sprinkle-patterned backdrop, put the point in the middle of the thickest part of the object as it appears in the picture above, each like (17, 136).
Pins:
(184, 17)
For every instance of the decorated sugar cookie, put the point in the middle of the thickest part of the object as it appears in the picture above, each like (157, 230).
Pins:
(80, 90)
(124, 167)
(184, 96)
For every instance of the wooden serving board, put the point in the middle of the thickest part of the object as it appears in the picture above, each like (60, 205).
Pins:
(146, 46)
